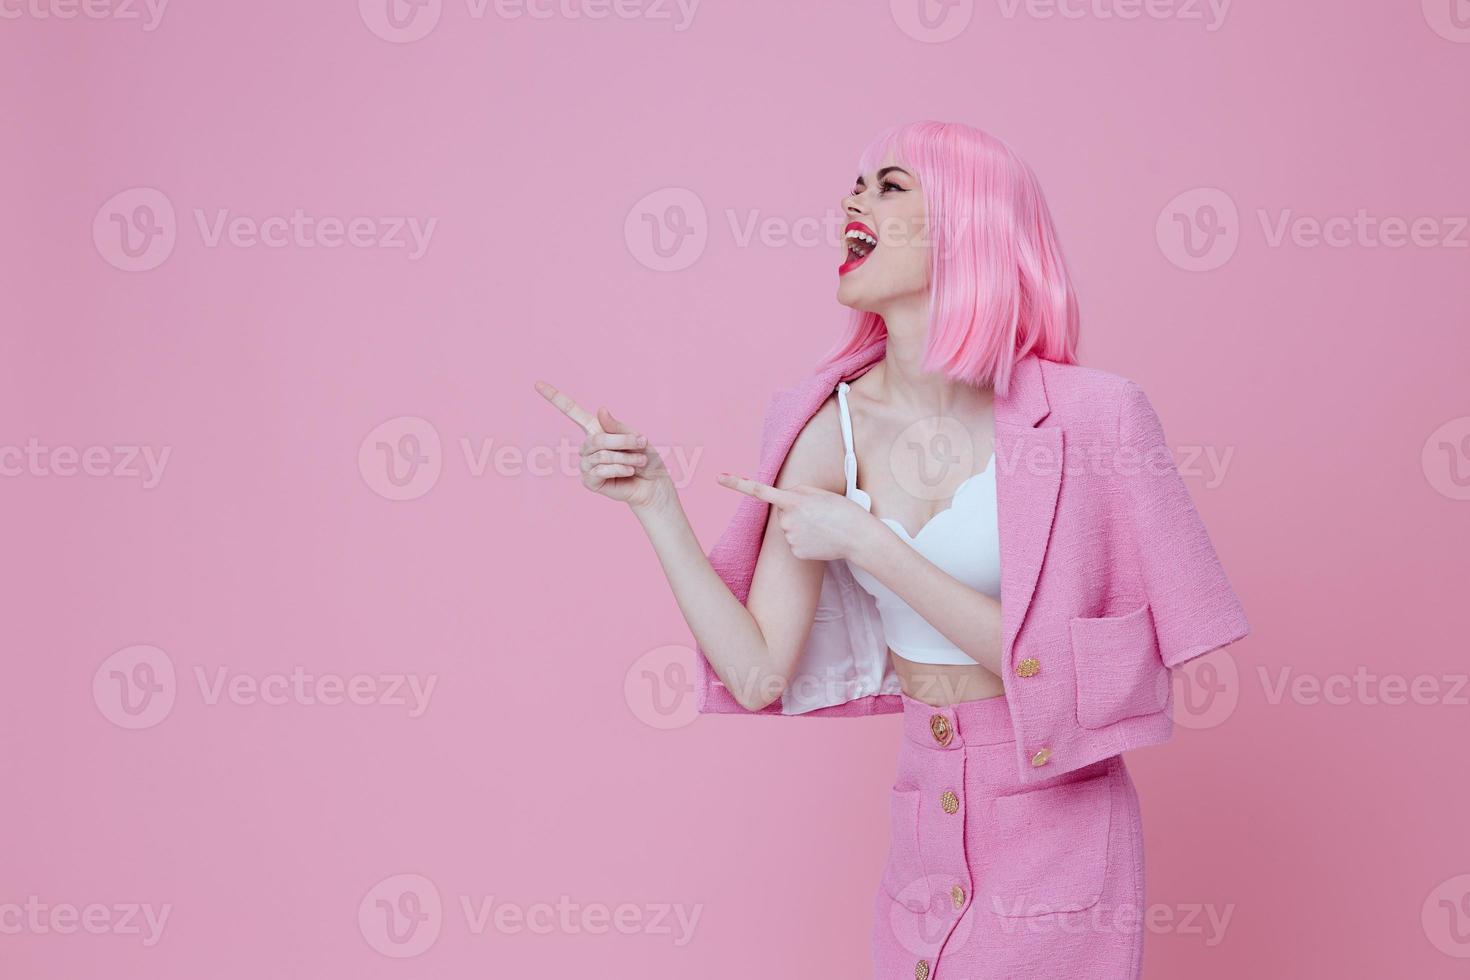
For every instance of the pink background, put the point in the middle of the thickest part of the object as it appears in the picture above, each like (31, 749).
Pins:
(1329, 829)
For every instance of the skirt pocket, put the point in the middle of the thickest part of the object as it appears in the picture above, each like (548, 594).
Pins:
(1051, 848)
(904, 878)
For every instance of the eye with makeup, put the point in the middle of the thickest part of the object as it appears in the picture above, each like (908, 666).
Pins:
(883, 188)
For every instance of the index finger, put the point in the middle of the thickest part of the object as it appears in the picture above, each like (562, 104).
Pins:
(570, 408)
(756, 489)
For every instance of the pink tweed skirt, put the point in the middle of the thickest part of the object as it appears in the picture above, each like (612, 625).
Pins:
(987, 879)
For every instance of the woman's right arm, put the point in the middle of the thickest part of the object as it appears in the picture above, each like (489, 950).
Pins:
(753, 648)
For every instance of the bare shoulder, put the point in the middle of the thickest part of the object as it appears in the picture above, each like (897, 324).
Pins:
(815, 459)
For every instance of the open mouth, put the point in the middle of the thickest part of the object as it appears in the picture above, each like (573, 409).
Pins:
(860, 241)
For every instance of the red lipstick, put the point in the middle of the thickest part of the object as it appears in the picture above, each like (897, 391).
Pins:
(860, 240)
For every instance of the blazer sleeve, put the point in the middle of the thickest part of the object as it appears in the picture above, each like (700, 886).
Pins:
(1194, 608)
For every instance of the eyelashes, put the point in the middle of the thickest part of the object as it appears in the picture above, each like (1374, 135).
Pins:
(886, 186)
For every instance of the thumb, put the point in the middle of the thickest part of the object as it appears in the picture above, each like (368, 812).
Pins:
(610, 424)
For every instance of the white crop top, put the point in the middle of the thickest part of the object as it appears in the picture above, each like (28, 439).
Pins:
(963, 540)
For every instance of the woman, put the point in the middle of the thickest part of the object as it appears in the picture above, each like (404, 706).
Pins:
(953, 520)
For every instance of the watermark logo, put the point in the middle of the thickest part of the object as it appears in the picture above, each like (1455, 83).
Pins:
(931, 457)
(400, 21)
(1199, 229)
(401, 459)
(659, 687)
(1206, 690)
(1450, 19)
(932, 21)
(923, 913)
(135, 688)
(1446, 916)
(667, 230)
(135, 230)
(1446, 459)
(401, 916)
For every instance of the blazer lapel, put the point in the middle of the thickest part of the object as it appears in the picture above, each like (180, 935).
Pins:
(1028, 476)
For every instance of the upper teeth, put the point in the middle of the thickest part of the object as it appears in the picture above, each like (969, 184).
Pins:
(861, 236)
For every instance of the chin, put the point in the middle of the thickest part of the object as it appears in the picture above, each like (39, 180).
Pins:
(858, 303)
(852, 297)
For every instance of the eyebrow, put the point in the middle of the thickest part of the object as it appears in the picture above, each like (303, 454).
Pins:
(886, 170)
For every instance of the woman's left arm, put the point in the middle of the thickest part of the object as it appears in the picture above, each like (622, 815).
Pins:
(967, 617)
(824, 526)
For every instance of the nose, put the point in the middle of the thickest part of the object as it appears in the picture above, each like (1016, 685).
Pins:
(853, 204)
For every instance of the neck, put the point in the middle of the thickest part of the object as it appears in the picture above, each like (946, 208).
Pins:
(903, 380)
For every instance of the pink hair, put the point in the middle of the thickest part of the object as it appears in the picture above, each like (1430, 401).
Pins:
(998, 286)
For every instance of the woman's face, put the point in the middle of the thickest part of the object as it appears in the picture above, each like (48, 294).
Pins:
(887, 206)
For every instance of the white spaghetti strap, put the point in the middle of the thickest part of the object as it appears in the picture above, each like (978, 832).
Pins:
(849, 460)
(962, 540)
(842, 414)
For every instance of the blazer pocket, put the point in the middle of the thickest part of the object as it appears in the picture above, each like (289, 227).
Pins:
(1118, 668)
(1052, 854)
(904, 877)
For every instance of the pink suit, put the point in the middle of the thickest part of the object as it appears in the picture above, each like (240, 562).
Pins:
(1108, 580)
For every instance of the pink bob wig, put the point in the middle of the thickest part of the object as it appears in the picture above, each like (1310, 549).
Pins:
(998, 285)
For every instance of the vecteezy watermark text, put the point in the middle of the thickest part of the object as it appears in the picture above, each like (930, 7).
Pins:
(137, 229)
(1200, 229)
(1204, 920)
(123, 462)
(403, 915)
(403, 458)
(1364, 686)
(40, 918)
(149, 12)
(136, 688)
(406, 21)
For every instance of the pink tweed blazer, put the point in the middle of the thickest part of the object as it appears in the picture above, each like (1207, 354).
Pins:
(1108, 577)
